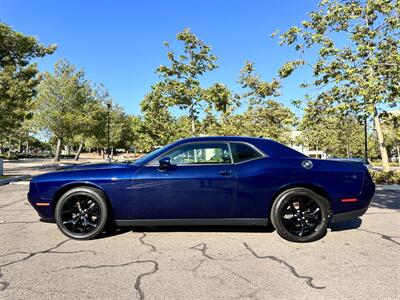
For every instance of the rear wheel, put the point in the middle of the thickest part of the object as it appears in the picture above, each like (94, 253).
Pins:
(300, 215)
(81, 213)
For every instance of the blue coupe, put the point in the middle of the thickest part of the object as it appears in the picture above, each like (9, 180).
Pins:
(207, 181)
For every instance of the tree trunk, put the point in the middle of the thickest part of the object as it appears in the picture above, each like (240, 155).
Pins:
(79, 151)
(381, 141)
(348, 146)
(58, 151)
(27, 146)
(19, 146)
(102, 153)
(112, 152)
(193, 119)
(9, 148)
(193, 125)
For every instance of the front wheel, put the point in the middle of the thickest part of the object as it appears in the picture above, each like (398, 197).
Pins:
(81, 213)
(300, 215)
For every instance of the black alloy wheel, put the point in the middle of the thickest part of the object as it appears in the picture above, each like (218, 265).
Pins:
(300, 215)
(81, 213)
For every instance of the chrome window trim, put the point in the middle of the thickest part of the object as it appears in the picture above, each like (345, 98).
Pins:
(154, 162)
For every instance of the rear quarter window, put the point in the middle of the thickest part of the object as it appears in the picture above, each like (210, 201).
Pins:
(243, 152)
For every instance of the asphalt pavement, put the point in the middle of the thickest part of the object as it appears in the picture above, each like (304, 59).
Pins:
(355, 260)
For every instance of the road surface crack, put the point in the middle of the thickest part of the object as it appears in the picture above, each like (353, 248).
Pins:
(292, 270)
(202, 247)
(32, 254)
(16, 222)
(384, 236)
(139, 278)
(3, 284)
(141, 239)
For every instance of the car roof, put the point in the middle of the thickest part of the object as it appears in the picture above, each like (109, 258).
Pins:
(268, 146)
(221, 138)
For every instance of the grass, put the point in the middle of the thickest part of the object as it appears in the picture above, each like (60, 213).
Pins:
(378, 163)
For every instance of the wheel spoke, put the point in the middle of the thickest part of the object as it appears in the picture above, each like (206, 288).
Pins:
(80, 214)
(313, 213)
(87, 222)
(301, 216)
(302, 229)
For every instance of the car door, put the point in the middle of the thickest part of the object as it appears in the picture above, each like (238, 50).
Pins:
(199, 184)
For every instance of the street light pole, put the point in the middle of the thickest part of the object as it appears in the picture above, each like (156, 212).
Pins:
(108, 130)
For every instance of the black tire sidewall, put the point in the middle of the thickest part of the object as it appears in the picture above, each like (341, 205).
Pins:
(100, 198)
(279, 204)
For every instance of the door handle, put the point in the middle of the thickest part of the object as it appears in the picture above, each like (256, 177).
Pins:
(225, 172)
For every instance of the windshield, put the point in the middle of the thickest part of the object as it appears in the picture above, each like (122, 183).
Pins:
(153, 153)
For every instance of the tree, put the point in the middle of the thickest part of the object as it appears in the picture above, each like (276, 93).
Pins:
(391, 129)
(180, 85)
(158, 126)
(18, 77)
(363, 72)
(60, 104)
(264, 116)
(336, 133)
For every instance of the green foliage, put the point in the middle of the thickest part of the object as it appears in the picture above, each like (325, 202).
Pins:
(59, 106)
(18, 77)
(157, 127)
(361, 75)
(390, 177)
(264, 116)
(180, 86)
(337, 133)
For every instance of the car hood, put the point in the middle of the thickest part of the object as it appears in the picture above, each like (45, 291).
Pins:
(82, 171)
(89, 166)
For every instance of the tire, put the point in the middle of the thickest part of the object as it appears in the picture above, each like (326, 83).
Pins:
(300, 215)
(85, 220)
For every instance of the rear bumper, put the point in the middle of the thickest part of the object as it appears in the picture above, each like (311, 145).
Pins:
(348, 215)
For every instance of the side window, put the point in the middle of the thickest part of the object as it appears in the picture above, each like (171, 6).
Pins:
(242, 152)
(200, 153)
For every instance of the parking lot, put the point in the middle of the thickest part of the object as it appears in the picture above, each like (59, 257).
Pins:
(357, 259)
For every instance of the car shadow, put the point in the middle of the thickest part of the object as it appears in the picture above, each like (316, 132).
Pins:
(115, 231)
(204, 228)
(386, 198)
(345, 225)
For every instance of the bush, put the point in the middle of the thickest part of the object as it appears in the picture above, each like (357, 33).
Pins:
(11, 157)
(380, 177)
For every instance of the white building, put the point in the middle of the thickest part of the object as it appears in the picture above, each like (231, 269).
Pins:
(303, 149)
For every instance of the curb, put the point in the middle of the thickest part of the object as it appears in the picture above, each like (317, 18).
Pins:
(395, 187)
(18, 178)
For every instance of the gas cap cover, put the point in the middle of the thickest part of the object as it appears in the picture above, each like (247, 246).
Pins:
(307, 164)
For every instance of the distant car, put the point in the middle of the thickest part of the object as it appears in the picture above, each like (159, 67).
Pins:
(207, 181)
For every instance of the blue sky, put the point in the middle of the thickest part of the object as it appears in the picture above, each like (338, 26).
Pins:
(120, 43)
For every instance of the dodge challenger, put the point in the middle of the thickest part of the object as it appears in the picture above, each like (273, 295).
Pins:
(207, 181)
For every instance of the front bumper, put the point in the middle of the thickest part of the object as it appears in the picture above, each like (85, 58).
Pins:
(34, 198)
(348, 215)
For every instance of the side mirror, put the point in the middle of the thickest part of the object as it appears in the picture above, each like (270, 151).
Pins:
(165, 163)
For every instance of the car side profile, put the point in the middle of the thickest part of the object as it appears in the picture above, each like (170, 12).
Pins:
(207, 181)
